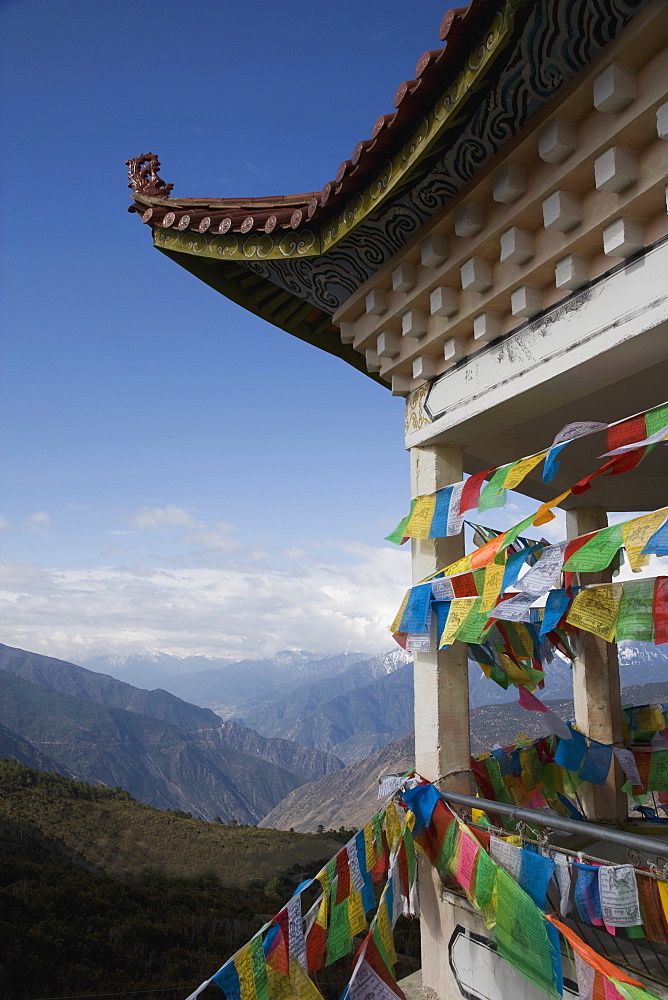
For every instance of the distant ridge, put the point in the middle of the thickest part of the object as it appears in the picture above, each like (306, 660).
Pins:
(348, 798)
(165, 752)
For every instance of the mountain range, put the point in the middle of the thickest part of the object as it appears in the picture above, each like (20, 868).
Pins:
(349, 705)
(283, 728)
(349, 797)
(159, 748)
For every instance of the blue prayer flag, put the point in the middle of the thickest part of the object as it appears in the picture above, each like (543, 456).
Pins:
(535, 872)
(422, 801)
(570, 753)
(551, 464)
(557, 603)
(439, 521)
(657, 545)
(228, 980)
(416, 612)
(596, 765)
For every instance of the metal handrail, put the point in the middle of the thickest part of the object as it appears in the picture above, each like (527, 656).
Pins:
(559, 822)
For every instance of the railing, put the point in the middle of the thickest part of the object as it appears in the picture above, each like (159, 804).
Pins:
(649, 856)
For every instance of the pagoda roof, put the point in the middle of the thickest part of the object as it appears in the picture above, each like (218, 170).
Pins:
(459, 30)
(296, 260)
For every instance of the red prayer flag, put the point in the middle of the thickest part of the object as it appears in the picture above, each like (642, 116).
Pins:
(660, 609)
(626, 432)
(343, 872)
(403, 871)
(316, 943)
(643, 759)
(277, 956)
(471, 492)
(530, 702)
(464, 585)
(432, 837)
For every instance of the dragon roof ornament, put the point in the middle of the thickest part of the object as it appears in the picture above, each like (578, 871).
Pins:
(144, 179)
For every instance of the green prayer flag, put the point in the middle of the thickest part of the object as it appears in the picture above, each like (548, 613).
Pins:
(474, 624)
(657, 780)
(656, 420)
(493, 493)
(259, 968)
(445, 855)
(484, 880)
(598, 552)
(397, 536)
(521, 936)
(339, 941)
(634, 618)
(633, 992)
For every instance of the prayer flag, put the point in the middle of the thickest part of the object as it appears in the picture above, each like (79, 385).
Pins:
(619, 895)
(595, 609)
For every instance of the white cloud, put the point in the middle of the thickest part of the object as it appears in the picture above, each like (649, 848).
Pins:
(215, 537)
(39, 523)
(294, 553)
(245, 610)
(150, 518)
(4, 523)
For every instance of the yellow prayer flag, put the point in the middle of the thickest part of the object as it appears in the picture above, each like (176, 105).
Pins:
(394, 627)
(648, 718)
(637, 533)
(544, 512)
(492, 586)
(663, 896)
(384, 929)
(514, 673)
(295, 986)
(322, 918)
(419, 523)
(459, 610)
(369, 852)
(522, 470)
(392, 826)
(243, 963)
(595, 609)
(356, 915)
(461, 566)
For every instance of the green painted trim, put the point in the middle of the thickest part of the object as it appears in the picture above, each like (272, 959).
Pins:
(300, 319)
(429, 131)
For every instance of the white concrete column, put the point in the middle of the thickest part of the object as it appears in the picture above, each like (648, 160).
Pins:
(442, 741)
(596, 687)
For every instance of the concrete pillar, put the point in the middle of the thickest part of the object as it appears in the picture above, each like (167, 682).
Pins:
(596, 687)
(442, 740)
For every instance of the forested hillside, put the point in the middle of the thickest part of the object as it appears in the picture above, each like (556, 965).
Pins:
(99, 893)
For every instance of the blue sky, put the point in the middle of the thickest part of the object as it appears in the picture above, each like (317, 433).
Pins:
(162, 489)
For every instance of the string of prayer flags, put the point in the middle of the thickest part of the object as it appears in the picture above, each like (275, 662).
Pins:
(440, 514)
(504, 880)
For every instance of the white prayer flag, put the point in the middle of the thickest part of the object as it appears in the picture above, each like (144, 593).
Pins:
(619, 895)
(628, 763)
